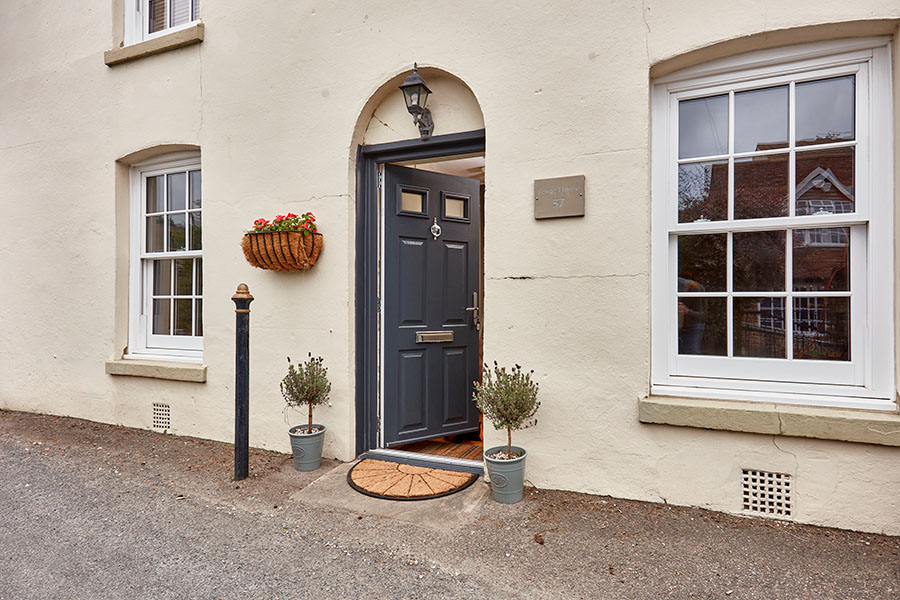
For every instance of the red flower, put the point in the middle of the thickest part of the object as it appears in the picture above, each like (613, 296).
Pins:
(291, 216)
(279, 218)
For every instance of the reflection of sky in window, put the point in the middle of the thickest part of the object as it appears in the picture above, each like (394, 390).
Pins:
(825, 109)
(761, 118)
(703, 127)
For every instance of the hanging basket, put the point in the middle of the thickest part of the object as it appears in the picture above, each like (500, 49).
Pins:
(282, 250)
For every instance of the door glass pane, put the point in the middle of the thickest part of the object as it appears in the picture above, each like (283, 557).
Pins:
(822, 328)
(198, 317)
(183, 316)
(195, 189)
(181, 12)
(161, 310)
(701, 262)
(826, 110)
(455, 208)
(758, 261)
(759, 327)
(761, 187)
(825, 182)
(155, 194)
(196, 237)
(162, 277)
(412, 201)
(701, 325)
(198, 280)
(176, 232)
(155, 233)
(703, 191)
(822, 259)
(157, 15)
(177, 191)
(761, 119)
(703, 127)
(184, 284)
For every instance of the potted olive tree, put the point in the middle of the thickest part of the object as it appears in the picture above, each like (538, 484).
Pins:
(509, 400)
(306, 384)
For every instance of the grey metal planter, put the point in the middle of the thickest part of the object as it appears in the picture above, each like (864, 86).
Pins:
(307, 447)
(507, 476)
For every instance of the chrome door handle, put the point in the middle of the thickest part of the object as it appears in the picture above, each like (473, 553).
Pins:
(475, 310)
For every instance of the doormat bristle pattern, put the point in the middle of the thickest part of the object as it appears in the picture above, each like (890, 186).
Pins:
(395, 481)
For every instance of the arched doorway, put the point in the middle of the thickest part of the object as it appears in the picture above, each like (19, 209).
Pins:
(418, 280)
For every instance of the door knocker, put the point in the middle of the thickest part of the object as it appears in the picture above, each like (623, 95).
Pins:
(435, 229)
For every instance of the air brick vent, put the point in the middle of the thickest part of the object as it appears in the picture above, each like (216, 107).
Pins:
(161, 416)
(767, 493)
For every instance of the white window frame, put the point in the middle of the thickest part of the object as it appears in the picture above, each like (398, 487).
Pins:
(867, 380)
(141, 343)
(137, 22)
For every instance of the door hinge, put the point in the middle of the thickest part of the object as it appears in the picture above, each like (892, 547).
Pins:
(380, 179)
(378, 303)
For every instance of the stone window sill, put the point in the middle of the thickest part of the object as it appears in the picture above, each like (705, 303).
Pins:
(846, 425)
(176, 39)
(157, 370)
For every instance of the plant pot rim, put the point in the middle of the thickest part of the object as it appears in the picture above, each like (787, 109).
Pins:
(292, 433)
(495, 461)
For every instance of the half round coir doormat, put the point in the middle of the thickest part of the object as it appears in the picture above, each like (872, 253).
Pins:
(395, 481)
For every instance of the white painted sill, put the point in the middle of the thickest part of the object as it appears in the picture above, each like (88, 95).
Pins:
(171, 41)
(194, 373)
(864, 427)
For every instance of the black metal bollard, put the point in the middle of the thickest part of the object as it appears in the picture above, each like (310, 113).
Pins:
(242, 300)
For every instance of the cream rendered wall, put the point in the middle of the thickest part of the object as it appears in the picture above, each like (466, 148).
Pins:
(277, 96)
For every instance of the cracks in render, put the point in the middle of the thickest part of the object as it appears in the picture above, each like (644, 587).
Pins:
(536, 277)
(385, 124)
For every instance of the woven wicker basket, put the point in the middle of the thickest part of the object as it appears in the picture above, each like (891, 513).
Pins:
(282, 250)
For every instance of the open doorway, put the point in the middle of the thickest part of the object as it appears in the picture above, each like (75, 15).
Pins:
(428, 318)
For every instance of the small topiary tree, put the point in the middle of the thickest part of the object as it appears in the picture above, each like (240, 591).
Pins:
(508, 399)
(306, 384)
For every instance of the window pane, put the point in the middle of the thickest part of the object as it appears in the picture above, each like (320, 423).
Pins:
(196, 9)
(196, 237)
(161, 310)
(195, 189)
(155, 194)
(703, 127)
(822, 259)
(181, 12)
(825, 110)
(825, 182)
(822, 328)
(703, 191)
(155, 233)
(162, 277)
(184, 284)
(177, 191)
(455, 208)
(198, 280)
(761, 187)
(412, 201)
(176, 232)
(183, 317)
(759, 327)
(157, 15)
(701, 326)
(198, 317)
(759, 261)
(701, 262)
(761, 119)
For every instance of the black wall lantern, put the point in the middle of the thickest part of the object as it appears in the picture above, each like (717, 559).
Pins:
(415, 94)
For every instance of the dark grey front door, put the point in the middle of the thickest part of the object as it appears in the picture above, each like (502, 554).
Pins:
(432, 234)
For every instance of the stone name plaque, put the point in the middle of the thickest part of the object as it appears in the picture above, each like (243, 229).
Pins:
(559, 197)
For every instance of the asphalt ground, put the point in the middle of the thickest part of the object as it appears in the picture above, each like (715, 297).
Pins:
(97, 511)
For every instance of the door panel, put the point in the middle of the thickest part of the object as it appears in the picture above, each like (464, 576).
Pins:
(429, 282)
